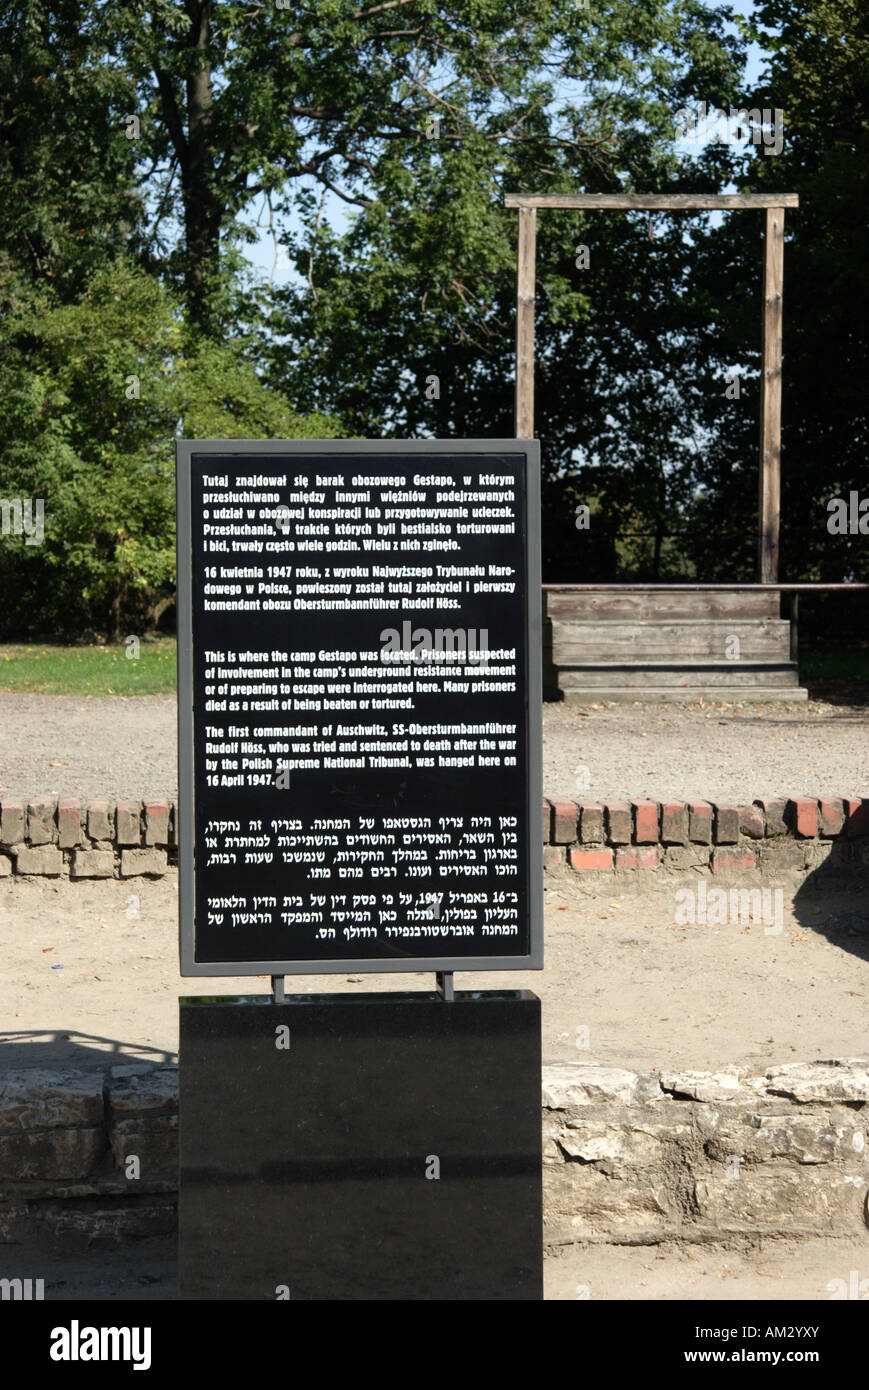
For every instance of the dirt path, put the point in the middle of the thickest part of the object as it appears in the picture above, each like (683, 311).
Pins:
(113, 746)
(90, 968)
(650, 993)
(769, 1271)
(773, 1270)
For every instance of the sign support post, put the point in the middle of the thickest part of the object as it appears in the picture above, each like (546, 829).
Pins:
(359, 779)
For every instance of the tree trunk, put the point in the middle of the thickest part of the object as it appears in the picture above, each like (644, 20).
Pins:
(201, 212)
(116, 614)
(659, 529)
(156, 611)
(188, 118)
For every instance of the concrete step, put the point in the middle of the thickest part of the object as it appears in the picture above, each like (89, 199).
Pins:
(572, 643)
(675, 694)
(594, 605)
(678, 675)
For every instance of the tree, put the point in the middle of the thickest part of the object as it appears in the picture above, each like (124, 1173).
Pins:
(817, 76)
(69, 196)
(238, 99)
(92, 396)
(406, 322)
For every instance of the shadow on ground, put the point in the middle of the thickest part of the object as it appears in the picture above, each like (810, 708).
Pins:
(835, 904)
(67, 1048)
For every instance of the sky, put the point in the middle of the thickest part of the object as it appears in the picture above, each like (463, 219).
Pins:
(261, 254)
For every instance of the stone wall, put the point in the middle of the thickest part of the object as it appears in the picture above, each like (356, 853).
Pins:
(90, 1157)
(641, 1157)
(767, 837)
(62, 836)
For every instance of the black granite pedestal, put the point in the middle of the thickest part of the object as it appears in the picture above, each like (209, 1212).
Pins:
(391, 1151)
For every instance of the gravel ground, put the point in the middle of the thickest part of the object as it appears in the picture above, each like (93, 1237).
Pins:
(763, 1271)
(90, 971)
(98, 745)
(728, 753)
(113, 746)
(85, 984)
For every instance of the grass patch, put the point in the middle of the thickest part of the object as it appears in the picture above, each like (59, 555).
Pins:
(42, 668)
(834, 663)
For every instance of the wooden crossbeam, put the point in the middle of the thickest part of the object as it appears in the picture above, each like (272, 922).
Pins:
(662, 202)
(769, 488)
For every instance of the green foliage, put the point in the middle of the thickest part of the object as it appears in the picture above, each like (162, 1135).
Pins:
(92, 397)
(123, 258)
(818, 76)
(219, 396)
(422, 285)
(69, 198)
(238, 100)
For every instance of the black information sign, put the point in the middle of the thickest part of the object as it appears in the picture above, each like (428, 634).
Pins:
(359, 706)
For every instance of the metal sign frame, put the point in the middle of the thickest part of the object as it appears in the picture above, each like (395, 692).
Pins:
(428, 451)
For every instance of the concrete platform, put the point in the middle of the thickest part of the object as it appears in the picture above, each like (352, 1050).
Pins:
(688, 694)
(665, 645)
